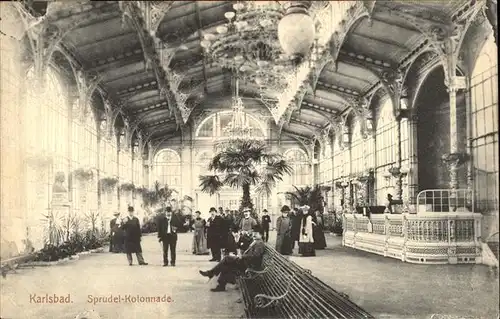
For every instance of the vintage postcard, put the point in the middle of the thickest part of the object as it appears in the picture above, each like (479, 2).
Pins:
(249, 159)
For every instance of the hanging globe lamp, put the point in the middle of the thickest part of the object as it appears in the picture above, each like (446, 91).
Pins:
(296, 30)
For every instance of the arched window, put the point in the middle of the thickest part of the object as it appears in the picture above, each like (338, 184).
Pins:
(213, 126)
(386, 135)
(111, 156)
(337, 157)
(484, 109)
(137, 178)
(125, 160)
(168, 168)
(202, 164)
(83, 156)
(48, 114)
(299, 161)
(47, 131)
(326, 163)
(357, 149)
(84, 138)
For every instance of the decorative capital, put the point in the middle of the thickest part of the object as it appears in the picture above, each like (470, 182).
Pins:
(456, 83)
(455, 160)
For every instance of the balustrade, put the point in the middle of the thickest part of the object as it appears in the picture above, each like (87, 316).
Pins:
(425, 237)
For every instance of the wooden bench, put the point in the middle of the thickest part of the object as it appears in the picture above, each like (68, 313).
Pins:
(283, 289)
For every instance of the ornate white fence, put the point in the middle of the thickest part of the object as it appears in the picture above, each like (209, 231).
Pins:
(445, 200)
(426, 237)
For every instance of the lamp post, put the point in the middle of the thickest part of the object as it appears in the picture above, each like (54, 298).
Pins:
(347, 196)
(399, 173)
(405, 171)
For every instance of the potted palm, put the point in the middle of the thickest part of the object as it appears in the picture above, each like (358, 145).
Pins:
(311, 196)
(244, 164)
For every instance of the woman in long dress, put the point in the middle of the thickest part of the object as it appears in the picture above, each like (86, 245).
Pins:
(284, 230)
(199, 236)
(306, 240)
(318, 234)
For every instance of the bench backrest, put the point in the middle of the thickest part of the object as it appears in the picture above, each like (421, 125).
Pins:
(304, 295)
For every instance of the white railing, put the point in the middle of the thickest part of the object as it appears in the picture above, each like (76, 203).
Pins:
(429, 238)
(445, 200)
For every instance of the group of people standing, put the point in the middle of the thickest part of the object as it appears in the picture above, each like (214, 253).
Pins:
(302, 226)
(222, 233)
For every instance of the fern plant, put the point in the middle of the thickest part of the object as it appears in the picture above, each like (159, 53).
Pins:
(127, 187)
(108, 183)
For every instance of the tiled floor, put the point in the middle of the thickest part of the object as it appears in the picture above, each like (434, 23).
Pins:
(107, 274)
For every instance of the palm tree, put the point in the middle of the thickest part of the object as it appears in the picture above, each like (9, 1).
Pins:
(245, 164)
(157, 195)
(310, 196)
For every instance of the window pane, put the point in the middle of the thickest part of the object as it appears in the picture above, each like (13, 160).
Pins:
(487, 92)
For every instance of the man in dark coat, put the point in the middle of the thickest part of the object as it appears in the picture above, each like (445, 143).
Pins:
(132, 233)
(216, 234)
(168, 225)
(266, 221)
(296, 222)
(229, 220)
(232, 265)
(116, 243)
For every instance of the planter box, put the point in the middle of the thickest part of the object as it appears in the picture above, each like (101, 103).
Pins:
(83, 253)
(64, 260)
(41, 263)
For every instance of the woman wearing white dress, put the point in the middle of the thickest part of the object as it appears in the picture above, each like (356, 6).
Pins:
(306, 240)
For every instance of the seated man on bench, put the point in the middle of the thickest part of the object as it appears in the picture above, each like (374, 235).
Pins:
(232, 265)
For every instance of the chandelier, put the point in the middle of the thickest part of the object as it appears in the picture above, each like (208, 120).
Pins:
(238, 130)
(249, 44)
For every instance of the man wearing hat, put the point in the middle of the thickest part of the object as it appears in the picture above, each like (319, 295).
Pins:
(216, 234)
(116, 243)
(247, 225)
(229, 267)
(266, 221)
(167, 235)
(133, 234)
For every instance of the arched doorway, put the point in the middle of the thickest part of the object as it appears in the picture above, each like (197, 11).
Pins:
(433, 130)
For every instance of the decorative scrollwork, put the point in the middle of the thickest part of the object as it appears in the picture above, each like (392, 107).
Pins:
(158, 11)
(264, 301)
(454, 160)
(252, 273)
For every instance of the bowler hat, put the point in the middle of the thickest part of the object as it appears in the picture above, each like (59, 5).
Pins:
(285, 208)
